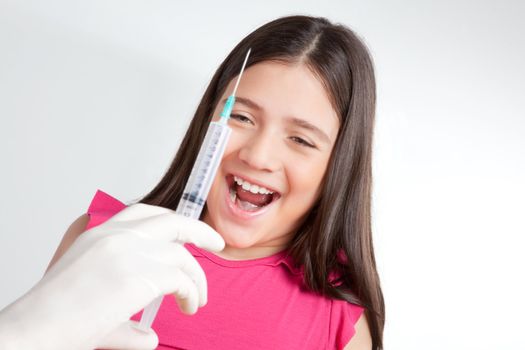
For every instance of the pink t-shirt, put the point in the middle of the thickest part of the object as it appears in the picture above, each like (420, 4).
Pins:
(252, 304)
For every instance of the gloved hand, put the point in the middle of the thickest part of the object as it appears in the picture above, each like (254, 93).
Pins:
(109, 273)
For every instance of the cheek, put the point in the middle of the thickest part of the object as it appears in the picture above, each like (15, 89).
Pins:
(305, 181)
(238, 138)
(215, 191)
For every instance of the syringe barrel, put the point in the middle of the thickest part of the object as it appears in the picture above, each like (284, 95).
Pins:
(196, 190)
(204, 170)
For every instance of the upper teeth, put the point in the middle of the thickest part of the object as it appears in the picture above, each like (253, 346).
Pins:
(252, 188)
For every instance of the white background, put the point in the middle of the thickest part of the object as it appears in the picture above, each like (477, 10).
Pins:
(96, 95)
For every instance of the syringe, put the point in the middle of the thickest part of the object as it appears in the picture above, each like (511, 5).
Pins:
(201, 179)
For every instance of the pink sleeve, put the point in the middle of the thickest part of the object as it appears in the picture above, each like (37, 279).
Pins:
(101, 208)
(343, 318)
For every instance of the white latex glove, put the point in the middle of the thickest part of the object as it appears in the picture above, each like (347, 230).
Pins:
(109, 273)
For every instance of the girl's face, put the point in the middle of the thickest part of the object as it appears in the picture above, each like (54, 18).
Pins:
(283, 131)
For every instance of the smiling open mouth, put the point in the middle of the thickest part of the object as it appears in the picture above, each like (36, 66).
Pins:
(249, 197)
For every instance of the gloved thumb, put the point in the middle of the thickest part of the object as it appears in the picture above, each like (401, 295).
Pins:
(127, 336)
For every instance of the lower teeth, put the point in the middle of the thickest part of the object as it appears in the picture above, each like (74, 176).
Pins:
(242, 204)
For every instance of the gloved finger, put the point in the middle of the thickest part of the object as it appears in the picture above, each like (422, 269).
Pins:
(187, 263)
(174, 227)
(185, 292)
(174, 254)
(128, 336)
(139, 211)
(166, 279)
(185, 306)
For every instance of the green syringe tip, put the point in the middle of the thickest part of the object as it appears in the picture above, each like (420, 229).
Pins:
(228, 106)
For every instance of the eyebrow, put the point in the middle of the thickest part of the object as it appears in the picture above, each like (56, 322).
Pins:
(245, 101)
(297, 121)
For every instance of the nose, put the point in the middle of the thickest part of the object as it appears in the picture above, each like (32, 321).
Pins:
(260, 153)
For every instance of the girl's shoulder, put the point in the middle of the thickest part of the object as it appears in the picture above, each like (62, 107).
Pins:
(102, 207)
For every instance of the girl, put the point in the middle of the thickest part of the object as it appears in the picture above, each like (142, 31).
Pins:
(291, 198)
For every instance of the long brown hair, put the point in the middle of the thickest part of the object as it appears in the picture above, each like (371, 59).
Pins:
(334, 242)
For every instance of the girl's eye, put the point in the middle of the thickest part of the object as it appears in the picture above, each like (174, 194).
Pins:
(241, 118)
(302, 142)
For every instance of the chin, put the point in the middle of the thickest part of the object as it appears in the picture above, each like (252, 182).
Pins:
(237, 237)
